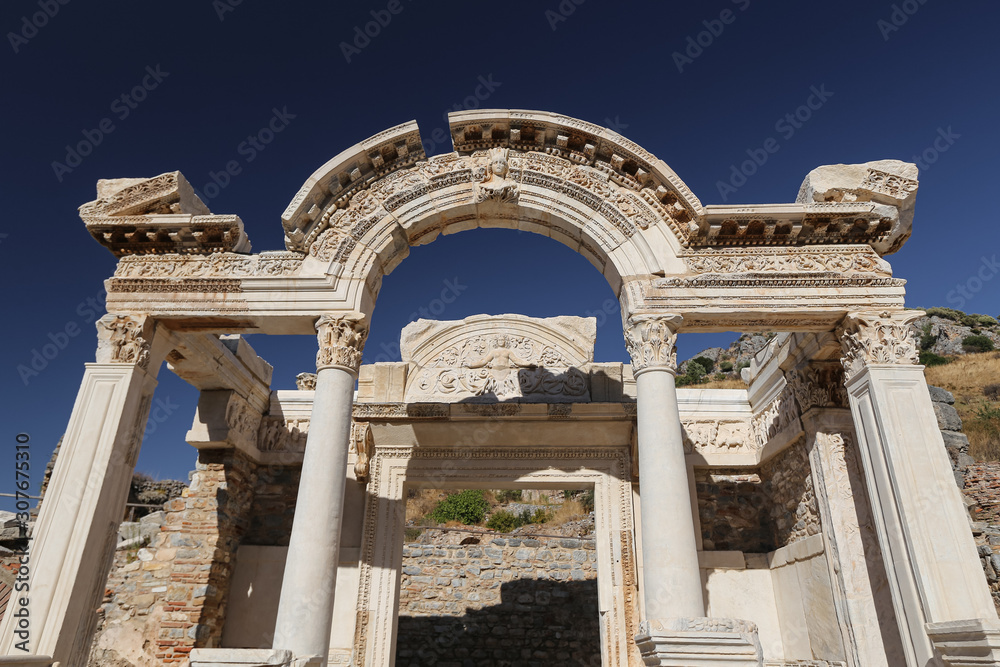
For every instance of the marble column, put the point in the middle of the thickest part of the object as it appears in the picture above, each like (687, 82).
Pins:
(942, 603)
(674, 630)
(75, 534)
(305, 607)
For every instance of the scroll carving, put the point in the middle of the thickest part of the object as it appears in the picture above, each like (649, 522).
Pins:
(305, 381)
(341, 340)
(878, 338)
(123, 339)
(364, 446)
(651, 341)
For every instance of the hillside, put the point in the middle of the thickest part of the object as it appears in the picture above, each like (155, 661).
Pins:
(961, 353)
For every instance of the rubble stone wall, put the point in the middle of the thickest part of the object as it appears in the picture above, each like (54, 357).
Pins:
(521, 601)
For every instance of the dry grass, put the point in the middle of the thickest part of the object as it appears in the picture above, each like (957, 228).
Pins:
(420, 502)
(718, 384)
(966, 377)
(570, 510)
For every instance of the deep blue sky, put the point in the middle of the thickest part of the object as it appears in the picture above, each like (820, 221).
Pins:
(612, 63)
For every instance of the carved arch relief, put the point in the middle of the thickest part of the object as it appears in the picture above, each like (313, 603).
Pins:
(609, 199)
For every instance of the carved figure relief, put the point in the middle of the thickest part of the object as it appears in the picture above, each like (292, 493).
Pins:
(495, 184)
(503, 366)
(713, 437)
(277, 434)
(121, 340)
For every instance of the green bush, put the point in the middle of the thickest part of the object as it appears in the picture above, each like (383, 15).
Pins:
(468, 507)
(725, 366)
(931, 359)
(969, 320)
(974, 344)
(540, 516)
(704, 362)
(502, 521)
(412, 534)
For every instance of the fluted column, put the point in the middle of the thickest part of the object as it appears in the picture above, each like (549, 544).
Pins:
(940, 595)
(305, 608)
(75, 535)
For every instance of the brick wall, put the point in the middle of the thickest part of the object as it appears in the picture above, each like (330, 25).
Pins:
(165, 599)
(507, 601)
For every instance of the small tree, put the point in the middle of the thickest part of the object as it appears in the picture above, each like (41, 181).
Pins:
(705, 362)
(725, 366)
(928, 358)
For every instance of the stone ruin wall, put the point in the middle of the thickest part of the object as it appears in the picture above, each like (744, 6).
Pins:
(758, 511)
(507, 601)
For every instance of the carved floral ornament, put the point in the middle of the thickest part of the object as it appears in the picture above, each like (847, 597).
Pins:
(341, 340)
(123, 339)
(651, 341)
(878, 338)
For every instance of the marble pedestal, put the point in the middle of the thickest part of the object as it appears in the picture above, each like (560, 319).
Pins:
(697, 642)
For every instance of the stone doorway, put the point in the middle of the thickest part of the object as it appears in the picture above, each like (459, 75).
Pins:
(395, 469)
(498, 577)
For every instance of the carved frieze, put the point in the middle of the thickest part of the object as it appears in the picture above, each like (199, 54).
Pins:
(837, 260)
(893, 185)
(341, 340)
(774, 417)
(278, 434)
(715, 436)
(218, 265)
(124, 339)
(651, 341)
(818, 385)
(244, 423)
(878, 338)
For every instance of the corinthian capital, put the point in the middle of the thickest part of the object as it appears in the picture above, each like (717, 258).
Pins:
(341, 340)
(651, 341)
(878, 338)
(124, 339)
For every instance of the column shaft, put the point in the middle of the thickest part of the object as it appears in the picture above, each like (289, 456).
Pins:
(305, 610)
(305, 607)
(671, 576)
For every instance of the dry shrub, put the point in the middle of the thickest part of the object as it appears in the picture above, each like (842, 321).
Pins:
(570, 510)
(992, 391)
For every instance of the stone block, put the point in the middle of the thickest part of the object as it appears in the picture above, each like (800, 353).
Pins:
(939, 395)
(947, 417)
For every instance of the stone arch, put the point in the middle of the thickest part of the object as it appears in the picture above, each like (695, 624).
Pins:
(578, 183)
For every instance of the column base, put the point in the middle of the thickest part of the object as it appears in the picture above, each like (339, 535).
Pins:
(697, 642)
(971, 643)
